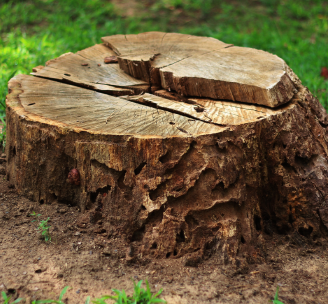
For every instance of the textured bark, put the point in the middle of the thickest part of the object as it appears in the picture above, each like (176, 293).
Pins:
(176, 175)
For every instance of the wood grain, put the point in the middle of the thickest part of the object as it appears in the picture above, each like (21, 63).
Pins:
(92, 111)
(90, 71)
(204, 67)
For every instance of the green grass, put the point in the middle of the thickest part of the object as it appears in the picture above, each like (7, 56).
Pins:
(32, 32)
(140, 296)
(59, 301)
(275, 300)
(6, 299)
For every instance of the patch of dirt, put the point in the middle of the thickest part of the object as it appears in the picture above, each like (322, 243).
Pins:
(88, 256)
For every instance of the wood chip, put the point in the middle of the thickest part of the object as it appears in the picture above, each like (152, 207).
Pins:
(111, 59)
(38, 68)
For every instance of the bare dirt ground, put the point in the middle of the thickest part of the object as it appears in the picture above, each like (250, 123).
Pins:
(92, 260)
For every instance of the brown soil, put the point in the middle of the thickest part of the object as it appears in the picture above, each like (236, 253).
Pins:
(92, 262)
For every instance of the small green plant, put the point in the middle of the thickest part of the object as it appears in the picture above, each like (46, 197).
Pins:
(275, 300)
(6, 299)
(59, 301)
(43, 227)
(140, 296)
(34, 214)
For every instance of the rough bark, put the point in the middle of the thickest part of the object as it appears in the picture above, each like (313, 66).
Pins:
(176, 175)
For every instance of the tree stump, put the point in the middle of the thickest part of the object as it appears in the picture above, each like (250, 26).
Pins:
(185, 145)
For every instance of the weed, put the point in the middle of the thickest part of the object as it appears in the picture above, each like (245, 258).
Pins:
(275, 300)
(6, 299)
(34, 214)
(140, 296)
(53, 301)
(43, 227)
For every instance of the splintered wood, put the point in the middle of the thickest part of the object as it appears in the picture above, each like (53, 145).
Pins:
(185, 146)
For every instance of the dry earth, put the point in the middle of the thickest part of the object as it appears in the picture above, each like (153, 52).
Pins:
(92, 261)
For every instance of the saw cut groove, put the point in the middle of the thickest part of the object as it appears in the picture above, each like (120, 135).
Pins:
(184, 146)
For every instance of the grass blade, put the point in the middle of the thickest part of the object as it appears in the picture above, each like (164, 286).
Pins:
(63, 291)
(157, 301)
(2, 102)
(46, 301)
(4, 296)
(275, 299)
(148, 290)
(276, 295)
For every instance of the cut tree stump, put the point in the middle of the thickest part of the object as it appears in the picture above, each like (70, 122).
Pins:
(184, 145)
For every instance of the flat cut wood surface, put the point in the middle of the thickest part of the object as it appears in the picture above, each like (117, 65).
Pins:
(189, 65)
(204, 67)
(221, 113)
(198, 85)
(144, 114)
(87, 68)
(235, 73)
(85, 109)
(175, 46)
